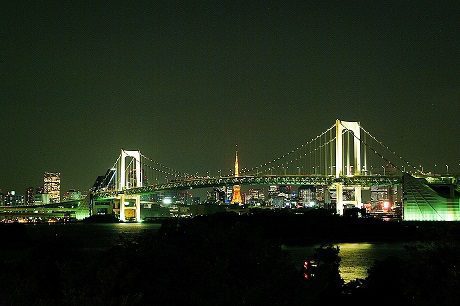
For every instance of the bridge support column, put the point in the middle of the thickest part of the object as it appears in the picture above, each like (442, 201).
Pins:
(339, 198)
(358, 198)
(130, 207)
(122, 207)
(138, 208)
(130, 177)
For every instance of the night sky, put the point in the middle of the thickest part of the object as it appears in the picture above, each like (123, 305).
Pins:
(185, 82)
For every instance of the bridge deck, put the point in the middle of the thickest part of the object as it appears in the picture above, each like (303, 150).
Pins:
(297, 180)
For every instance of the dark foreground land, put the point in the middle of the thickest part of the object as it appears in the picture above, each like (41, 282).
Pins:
(232, 260)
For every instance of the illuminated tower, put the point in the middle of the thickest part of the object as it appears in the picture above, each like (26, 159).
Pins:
(236, 196)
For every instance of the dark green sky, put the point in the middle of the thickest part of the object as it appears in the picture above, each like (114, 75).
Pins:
(184, 82)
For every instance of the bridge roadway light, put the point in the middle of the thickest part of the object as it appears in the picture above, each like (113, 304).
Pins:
(447, 169)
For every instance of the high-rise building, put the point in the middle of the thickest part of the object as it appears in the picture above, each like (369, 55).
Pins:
(52, 186)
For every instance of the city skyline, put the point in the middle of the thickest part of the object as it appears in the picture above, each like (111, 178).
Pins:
(184, 83)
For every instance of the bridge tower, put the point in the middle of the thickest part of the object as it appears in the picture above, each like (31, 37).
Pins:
(128, 203)
(236, 195)
(352, 129)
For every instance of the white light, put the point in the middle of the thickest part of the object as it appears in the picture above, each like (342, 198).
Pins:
(386, 204)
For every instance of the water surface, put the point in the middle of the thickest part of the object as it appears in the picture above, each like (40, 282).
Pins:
(92, 236)
(356, 258)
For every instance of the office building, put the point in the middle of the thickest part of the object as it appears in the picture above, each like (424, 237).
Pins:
(52, 186)
(13, 199)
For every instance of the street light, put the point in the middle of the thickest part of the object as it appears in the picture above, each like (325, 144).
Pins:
(383, 170)
(447, 169)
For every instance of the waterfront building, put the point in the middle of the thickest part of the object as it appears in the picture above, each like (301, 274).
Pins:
(228, 194)
(184, 197)
(30, 196)
(307, 196)
(255, 196)
(41, 199)
(286, 189)
(52, 186)
(72, 195)
(212, 196)
(279, 201)
(222, 195)
(273, 191)
(13, 199)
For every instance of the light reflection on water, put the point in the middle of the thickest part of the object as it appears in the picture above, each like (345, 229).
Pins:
(356, 258)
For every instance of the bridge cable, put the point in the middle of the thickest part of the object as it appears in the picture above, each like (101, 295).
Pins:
(286, 154)
(375, 151)
(393, 152)
(170, 170)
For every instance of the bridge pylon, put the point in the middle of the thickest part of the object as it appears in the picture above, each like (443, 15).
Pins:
(130, 176)
(347, 128)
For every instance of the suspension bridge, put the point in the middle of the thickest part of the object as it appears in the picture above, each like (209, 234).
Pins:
(343, 158)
